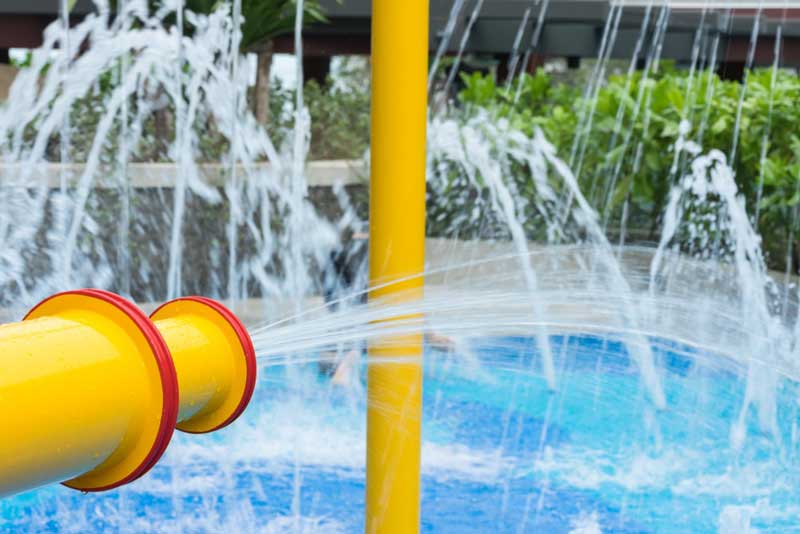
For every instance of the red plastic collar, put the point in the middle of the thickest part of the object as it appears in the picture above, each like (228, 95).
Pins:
(166, 369)
(247, 348)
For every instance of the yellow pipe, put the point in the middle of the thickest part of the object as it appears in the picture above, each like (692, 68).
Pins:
(397, 251)
(89, 392)
(214, 359)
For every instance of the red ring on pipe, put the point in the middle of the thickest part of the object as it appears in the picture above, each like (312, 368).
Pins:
(166, 369)
(247, 347)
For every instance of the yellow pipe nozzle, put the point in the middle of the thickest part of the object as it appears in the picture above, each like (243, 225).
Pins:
(214, 359)
(91, 389)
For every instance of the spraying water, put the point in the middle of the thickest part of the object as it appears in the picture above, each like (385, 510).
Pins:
(571, 385)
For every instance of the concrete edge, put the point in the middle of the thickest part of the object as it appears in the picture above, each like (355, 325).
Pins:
(325, 173)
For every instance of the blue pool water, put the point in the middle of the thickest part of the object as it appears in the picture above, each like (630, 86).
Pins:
(501, 453)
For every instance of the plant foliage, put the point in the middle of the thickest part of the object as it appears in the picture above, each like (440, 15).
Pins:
(629, 155)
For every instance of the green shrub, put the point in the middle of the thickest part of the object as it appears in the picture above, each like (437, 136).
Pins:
(339, 120)
(629, 151)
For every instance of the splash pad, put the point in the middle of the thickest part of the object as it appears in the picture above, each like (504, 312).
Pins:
(582, 385)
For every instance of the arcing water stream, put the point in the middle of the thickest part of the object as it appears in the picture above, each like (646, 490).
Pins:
(571, 385)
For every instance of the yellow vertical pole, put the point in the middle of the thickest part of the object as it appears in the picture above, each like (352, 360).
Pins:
(397, 251)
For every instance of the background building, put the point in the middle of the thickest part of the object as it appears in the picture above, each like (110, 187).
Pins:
(571, 29)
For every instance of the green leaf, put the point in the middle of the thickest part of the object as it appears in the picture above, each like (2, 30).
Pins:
(720, 125)
(675, 97)
(671, 129)
(266, 19)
